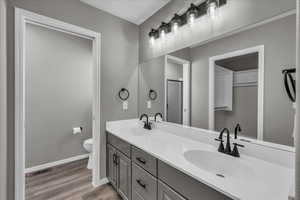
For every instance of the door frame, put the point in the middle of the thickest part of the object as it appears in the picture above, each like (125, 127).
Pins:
(181, 98)
(186, 113)
(3, 101)
(260, 106)
(23, 17)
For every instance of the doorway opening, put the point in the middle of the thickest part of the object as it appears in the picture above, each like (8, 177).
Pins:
(236, 82)
(177, 90)
(33, 91)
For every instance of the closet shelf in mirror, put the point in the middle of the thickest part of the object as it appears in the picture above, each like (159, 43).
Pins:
(245, 78)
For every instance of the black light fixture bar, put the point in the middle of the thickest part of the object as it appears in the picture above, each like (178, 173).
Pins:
(167, 26)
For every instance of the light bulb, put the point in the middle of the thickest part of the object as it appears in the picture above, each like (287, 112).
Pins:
(162, 33)
(212, 9)
(175, 27)
(191, 19)
(152, 40)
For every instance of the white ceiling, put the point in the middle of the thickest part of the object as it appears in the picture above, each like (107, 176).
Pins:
(135, 11)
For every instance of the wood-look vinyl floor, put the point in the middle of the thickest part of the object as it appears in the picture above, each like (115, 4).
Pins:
(72, 181)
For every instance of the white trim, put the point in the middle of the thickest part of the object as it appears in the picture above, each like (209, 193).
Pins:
(55, 163)
(211, 101)
(103, 181)
(186, 88)
(3, 100)
(296, 185)
(21, 18)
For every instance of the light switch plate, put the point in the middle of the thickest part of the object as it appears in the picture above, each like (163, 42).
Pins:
(148, 104)
(125, 105)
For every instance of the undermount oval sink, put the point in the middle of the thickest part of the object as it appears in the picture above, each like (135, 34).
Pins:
(219, 164)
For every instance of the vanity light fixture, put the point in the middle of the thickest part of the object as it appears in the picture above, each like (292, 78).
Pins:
(192, 13)
(212, 8)
(209, 7)
(153, 34)
(175, 23)
(163, 29)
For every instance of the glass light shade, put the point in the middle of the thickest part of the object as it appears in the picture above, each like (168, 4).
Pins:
(212, 9)
(175, 27)
(191, 19)
(162, 33)
(152, 40)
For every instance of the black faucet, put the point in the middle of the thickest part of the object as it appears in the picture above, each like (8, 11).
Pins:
(158, 114)
(236, 130)
(235, 151)
(147, 124)
(227, 149)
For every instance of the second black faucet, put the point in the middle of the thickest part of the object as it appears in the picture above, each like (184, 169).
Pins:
(227, 150)
(147, 123)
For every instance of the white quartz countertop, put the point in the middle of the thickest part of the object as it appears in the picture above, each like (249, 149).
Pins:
(261, 181)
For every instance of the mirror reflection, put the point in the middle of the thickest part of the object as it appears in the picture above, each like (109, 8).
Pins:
(246, 78)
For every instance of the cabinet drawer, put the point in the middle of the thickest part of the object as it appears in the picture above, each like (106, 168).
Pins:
(166, 193)
(186, 185)
(118, 143)
(144, 160)
(144, 185)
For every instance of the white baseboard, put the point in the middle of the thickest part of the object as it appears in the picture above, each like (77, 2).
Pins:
(100, 182)
(55, 163)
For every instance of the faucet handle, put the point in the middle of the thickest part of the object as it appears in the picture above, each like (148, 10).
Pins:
(235, 152)
(239, 145)
(218, 139)
(221, 145)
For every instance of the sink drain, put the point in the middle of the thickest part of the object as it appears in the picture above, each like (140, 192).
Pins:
(220, 175)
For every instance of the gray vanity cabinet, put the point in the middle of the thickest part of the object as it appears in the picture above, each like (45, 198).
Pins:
(166, 193)
(112, 168)
(144, 185)
(137, 175)
(119, 172)
(124, 177)
(144, 160)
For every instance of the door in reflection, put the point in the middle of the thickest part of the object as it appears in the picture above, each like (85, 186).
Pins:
(174, 101)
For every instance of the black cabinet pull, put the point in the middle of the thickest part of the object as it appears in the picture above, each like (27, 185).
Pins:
(115, 159)
(140, 182)
(141, 160)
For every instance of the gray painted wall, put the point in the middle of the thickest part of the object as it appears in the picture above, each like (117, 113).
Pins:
(244, 111)
(119, 62)
(174, 71)
(234, 16)
(3, 102)
(59, 85)
(152, 77)
(278, 38)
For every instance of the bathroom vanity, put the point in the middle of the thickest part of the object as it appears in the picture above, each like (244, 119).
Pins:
(176, 162)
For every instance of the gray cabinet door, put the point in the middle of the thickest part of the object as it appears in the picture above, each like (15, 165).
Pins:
(124, 177)
(144, 185)
(112, 170)
(166, 193)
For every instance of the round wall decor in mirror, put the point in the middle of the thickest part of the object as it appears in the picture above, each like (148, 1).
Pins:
(124, 94)
(152, 94)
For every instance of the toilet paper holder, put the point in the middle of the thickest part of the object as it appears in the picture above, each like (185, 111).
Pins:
(77, 130)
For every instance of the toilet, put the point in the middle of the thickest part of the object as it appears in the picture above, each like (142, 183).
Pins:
(88, 146)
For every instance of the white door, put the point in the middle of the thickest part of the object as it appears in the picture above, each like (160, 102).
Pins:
(174, 101)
